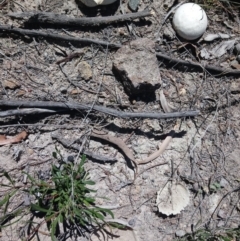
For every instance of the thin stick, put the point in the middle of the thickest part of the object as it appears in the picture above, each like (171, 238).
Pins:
(67, 144)
(63, 20)
(106, 110)
(218, 72)
(27, 111)
(36, 33)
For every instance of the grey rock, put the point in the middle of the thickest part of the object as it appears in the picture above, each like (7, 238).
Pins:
(235, 87)
(223, 183)
(169, 33)
(145, 175)
(221, 223)
(180, 233)
(237, 49)
(136, 66)
(133, 4)
(85, 70)
(238, 59)
(221, 214)
(132, 222)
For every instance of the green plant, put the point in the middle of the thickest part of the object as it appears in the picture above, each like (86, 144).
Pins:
(214, 187)
(64, 199)
(207, 235)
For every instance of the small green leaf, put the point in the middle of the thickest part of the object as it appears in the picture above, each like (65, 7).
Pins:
(8, 177)
(89, 182)
(38, 208)
(53, 230)
(6, 199)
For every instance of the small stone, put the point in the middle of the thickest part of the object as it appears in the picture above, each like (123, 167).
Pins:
(235, 64)
(238, 59)
(144, 176)
(169, 33)
(85, 70)
(180, 233)
(221, 214)
(235, 87)
(63, 90)
(136, 66)
(223, 183)
(236, 49)
(221, 223)
(132, 222)
(75, 92)
(133, 4)
(70, 159)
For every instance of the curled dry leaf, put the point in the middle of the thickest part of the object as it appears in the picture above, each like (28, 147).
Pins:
(212, 36)
(15, 139)
(218, 50)
(172, 199)
(165, 105)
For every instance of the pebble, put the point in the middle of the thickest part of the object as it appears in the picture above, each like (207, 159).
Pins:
(132, 222)
(238, 59)
(144, 176)
(221, 214)
(237, 49)
(133, 4)
(223, 183)
(180, 233)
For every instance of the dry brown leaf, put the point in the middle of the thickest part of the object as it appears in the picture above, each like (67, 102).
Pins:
(75, 92)
(172, 198)
(2, 137)
(10, 84)
(20, 93)
(15, 139)
(164, 102)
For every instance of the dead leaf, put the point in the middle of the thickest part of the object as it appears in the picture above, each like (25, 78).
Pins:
(20, 93)
(75, 92)
(210, 37)
(182, 91)
(172, 198)
(219, 50)
(235, 66)
(164, 102)
(15, 139)
(11, 84)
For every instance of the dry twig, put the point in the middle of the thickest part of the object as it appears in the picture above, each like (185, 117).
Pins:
(64, 20)
(218, 72)
(109, 111)
(36, 33)
(67, 144)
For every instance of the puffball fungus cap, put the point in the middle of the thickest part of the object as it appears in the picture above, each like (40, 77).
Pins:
(94, 3)
(190, 21)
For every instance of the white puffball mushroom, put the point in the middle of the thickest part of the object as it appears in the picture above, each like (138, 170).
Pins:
(190, 21)
(94, 3)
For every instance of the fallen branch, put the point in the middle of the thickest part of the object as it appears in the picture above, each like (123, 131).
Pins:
(64, 20)
(67, 144)
(36, 33)
(28, 111)
(218, 72)
(109, 111)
